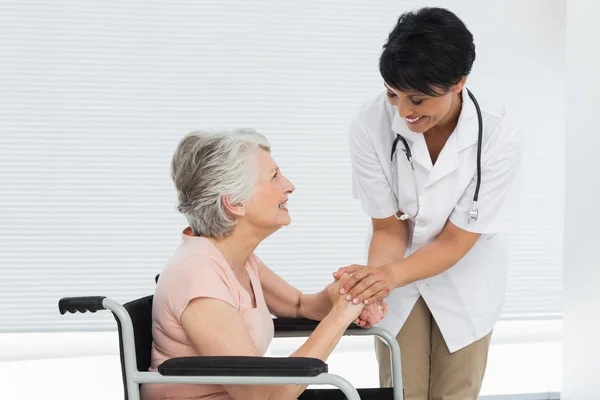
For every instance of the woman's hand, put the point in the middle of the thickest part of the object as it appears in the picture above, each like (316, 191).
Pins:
(366, 284)
(338, 301)
(371, 314)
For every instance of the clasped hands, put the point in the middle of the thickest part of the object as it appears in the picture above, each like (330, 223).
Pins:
(366, 285)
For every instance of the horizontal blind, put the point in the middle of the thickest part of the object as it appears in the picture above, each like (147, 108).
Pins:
(94, 97)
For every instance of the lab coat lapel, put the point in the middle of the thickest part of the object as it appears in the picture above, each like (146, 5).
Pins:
(464, 136)
(447, 161)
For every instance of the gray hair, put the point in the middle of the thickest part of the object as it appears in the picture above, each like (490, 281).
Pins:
(209, 165)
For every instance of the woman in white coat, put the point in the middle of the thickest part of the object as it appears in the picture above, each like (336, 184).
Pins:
(438, 256)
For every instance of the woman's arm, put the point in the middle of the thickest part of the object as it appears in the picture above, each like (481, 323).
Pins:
(284, 300)
(215, 328)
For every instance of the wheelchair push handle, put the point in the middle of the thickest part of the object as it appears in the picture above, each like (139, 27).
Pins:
(81, 304)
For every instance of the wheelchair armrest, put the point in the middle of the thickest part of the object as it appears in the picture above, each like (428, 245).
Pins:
(243, 366)
(81, 304)
(301, 325)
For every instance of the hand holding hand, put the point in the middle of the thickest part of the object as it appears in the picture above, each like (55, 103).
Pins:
(338, 301)
(366, 284)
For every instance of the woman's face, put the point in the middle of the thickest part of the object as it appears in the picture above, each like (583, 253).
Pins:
(268, 207)
(422, 112)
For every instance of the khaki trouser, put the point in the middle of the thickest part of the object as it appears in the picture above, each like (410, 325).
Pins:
(429, 370)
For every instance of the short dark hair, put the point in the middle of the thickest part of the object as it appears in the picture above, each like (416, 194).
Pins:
(427, 49)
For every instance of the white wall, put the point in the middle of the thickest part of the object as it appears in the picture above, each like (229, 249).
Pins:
(581, 328)
(96, 94)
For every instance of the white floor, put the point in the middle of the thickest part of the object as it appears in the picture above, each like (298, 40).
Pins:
(513, 368)
(74, 366)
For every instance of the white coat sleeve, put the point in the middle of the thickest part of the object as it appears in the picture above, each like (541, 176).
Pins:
(499, 192)
(369, 182)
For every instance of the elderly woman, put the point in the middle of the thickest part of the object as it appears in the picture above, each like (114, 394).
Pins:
(215, 297)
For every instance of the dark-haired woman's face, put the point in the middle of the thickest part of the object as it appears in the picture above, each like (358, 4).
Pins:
(422, 112)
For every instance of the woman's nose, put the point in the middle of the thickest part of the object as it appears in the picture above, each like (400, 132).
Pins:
(289, 187)
(404, 110)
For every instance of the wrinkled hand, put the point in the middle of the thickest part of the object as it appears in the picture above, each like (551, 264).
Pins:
(339, 302)
(371, 314)
(366, 284)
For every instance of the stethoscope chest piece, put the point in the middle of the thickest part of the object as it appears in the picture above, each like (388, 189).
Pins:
(473, 213)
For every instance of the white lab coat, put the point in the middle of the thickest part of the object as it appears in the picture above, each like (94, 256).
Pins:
(465, 300)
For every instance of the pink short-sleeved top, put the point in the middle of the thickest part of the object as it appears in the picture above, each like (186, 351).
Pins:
(198, 269)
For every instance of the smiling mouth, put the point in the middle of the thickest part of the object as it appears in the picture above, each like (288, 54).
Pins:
(414, 120)
(283, 205)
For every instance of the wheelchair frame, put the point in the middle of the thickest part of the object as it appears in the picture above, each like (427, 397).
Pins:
(281, 370)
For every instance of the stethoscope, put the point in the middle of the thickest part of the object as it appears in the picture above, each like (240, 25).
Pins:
(474, 212)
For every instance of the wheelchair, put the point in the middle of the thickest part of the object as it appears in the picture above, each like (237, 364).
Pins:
(134, 323)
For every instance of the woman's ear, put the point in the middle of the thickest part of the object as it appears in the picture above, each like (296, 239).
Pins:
(238, 210)
(460, 85)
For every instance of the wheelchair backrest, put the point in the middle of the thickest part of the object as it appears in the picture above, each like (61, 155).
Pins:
(140, 312)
